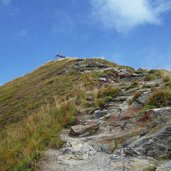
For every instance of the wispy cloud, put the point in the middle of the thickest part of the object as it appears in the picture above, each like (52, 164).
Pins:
(125, 15)
(5, 2)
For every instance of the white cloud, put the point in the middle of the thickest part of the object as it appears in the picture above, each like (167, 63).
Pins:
(5, 2)
(124, 15)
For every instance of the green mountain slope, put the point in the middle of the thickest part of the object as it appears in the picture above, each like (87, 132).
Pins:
(25, 95)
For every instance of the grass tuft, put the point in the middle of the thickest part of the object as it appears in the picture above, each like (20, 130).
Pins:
(160, 98)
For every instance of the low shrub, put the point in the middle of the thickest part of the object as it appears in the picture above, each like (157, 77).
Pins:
(155, 72)
(168, 84)
(108, 91)
(160, 98)
(100, 103)
(166, 79)
(150, 77)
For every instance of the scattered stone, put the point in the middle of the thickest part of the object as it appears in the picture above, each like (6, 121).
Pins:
(74, 146)
(75, 151)
(143, 99)
(123, 73)
(102, 79)
(121, 98)
(132, 164)
(138, 75)
(153, 83)
(99, 113)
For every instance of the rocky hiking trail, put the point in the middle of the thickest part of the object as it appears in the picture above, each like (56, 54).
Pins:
(116, 138)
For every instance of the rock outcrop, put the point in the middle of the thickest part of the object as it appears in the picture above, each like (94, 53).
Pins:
(88, 128)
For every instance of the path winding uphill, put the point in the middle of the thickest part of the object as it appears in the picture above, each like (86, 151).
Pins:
(117, 138)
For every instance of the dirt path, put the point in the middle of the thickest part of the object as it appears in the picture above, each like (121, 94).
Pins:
(98, 162)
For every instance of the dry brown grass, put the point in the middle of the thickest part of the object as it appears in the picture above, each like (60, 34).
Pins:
(23, 143)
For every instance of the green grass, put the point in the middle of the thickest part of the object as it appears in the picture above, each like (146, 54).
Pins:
(27, 94)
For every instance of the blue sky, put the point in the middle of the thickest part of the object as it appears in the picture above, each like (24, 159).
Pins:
(130, 32)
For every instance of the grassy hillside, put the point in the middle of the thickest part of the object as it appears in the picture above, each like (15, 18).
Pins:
(25, 95)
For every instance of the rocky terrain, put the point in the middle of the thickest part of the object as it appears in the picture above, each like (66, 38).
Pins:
(86, 114)
(128, 130)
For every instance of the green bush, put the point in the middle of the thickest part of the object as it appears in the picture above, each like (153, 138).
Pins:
(168, 84)
(166, 79)
(155, 72)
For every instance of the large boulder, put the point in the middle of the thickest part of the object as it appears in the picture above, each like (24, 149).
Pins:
(74, 146)
(157, 146)
(99, 114)
(88, 128)
(156, 117)
(153, 83)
